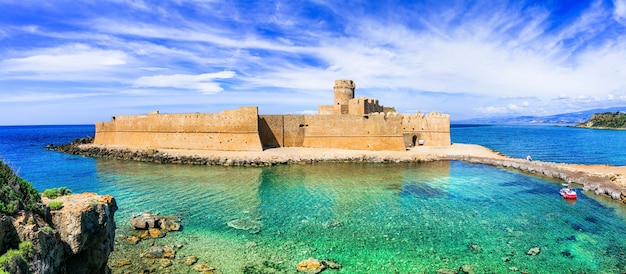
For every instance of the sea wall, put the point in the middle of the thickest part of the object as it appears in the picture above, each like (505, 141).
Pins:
(376, 131)
(433, 129)
(229, 130)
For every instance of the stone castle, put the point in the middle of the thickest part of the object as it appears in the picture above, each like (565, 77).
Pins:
(350, 123)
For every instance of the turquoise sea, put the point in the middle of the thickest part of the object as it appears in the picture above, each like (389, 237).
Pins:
(371, 218)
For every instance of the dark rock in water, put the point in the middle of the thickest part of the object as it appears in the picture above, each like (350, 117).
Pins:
(467, 269)
(571, 238)
(331, 264)
(591, 219)
(567, 254)
(475, 248)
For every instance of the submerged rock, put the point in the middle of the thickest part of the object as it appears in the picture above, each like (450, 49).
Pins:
(467, 269)
(533, 251)
(165, 252)
(245, 224)
(149, 220)
(203, 268)
(331, 264)
(310, 265)
(190, 260)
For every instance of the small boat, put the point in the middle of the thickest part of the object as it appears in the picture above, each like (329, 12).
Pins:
(568, 193)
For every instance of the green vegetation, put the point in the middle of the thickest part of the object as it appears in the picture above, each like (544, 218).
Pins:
(16, 193)
(46, 229)
(55, 205)
(54, 193)
(24, 253)
(606, 120)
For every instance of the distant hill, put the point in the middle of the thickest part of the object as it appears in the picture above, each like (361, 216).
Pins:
(607, 120)
(572, 118)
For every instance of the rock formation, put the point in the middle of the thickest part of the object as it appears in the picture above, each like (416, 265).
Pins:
(77, 238)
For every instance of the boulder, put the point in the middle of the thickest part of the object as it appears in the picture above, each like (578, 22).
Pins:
(149, 220)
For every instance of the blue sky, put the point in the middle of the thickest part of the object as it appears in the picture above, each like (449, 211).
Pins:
(79, 62)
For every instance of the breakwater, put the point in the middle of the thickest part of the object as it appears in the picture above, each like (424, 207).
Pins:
(601, 180)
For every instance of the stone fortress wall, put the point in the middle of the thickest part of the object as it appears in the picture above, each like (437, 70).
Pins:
(227, 130)
(350, 123)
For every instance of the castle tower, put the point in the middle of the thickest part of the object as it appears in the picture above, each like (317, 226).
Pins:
(344, 92)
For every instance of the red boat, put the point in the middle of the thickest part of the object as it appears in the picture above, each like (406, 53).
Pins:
(568, 193)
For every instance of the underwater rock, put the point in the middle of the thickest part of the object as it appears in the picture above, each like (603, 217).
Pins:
(446, 271)
(467, 269)
(149, 220)
(203, 268)
(161, 253)
(133, 240)
(156, 233)
(310, 265)
(190, 260)
(534, 251)
(121, 263)
(245, 224)
(475, 248)
(331, 264)
(165, 263)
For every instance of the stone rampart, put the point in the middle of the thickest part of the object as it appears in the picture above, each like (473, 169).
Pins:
(433, 129)
(230, 130)
(281, 130)
(376, 131)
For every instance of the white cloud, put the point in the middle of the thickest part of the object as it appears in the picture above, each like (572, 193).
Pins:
(72, 60)
(619, 13)
(200, 82)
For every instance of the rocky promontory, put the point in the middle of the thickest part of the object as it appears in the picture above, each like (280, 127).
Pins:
(68, 234)
(606, 120)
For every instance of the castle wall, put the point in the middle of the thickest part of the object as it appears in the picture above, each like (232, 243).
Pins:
(432, 128)
(281, 130)
(294, 128)
(228, 130)
(362, 106)
(376, 131)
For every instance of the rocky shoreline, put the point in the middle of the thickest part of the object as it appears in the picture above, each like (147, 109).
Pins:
(603, 180)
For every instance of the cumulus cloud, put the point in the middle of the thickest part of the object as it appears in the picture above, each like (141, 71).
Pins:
(205, 83)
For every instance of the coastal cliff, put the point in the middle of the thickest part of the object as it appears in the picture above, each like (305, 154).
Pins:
(76, 238)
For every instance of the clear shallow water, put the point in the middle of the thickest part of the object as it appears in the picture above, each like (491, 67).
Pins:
(372, 218)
